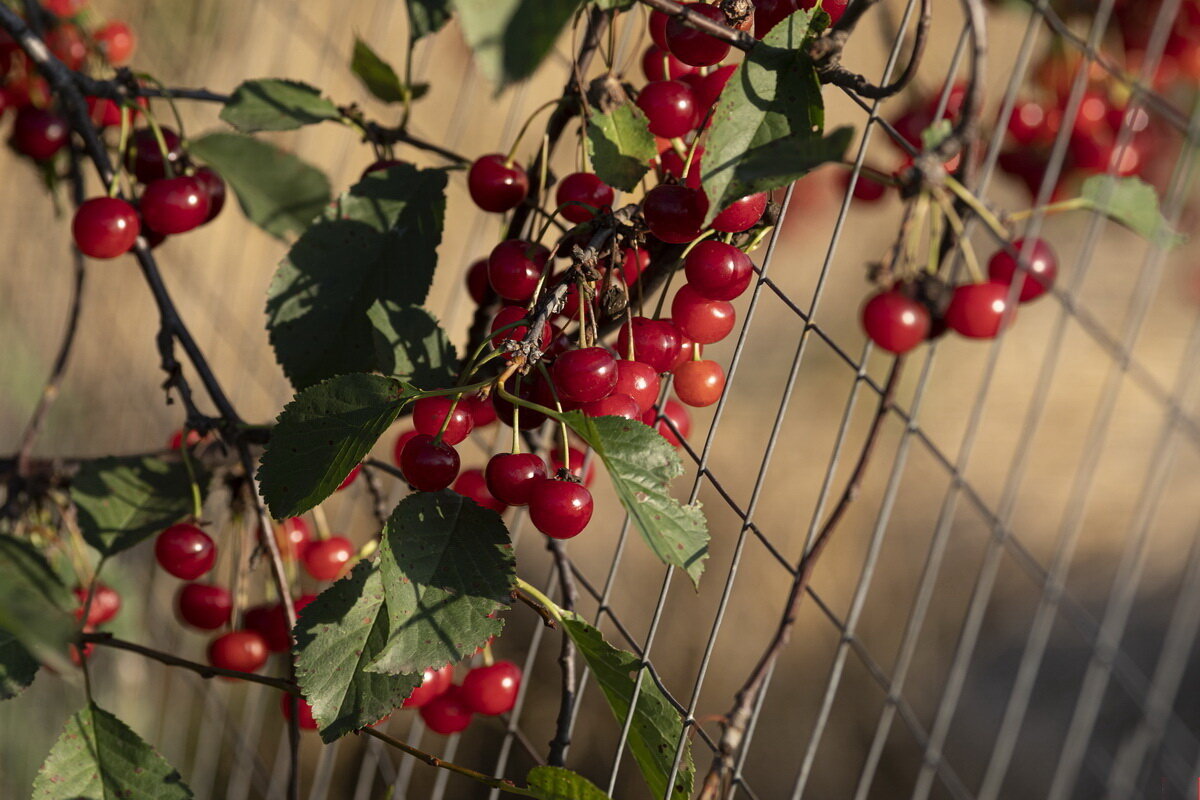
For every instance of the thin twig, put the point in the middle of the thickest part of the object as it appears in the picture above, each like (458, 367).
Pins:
(827, 52)
(739, 39)
(566, 658)
(543, 612)
(203, 670)
(434, 761)
(378, 499)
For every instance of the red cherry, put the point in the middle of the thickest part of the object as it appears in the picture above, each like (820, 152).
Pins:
(176, 441)
(676, 414)
(689, 350)
(398, 447)
(203, 606)
(514, 268)
(895, 321)
(977, 310)
(708, 89)
(497, 186)
(1038, 275)
(105, 227)
(695, 47)
(214, 187)
(175, 205)
(834, 8)
(116, 41)
(350, 477)
(144, 158)
(581, 195)
(659, 65)
(428, 465)
(674, 213)
(303, 600)
(64, 8)
(38, 133)
(244, 651)
(866, 188)
(654, 342)
(483, 413)
(185, 551)
(429, 414)
(769, 13)
(1029, 123)
(741, 215)
(294, 537)
(615, 405)
(669, 106)
(699, 383)
(672, 166)
(560, 509)
(658, 28)
(718, 271)
(105, 604)
(491, 690)
(639, 382)
(327, 560)
(447, 713)
(477, 281)
(102, 111)
(582, 376)
(702, 320)
(471, 484)
(635, 260)
(532, 389)
(577, 458)
(434, 683)
(67, 44)
(270, 622)
(304, 714)
(510, 477)
(507, 316)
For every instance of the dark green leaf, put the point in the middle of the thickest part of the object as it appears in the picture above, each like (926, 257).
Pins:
(377, 243)
(782, 161)
(376, 74)
(426, 17)
(774, 94)
(511, 38)
(1130, 202)
(321, 435)
(276, 190)
(271, 104)
(448, 569)
(410, 344)
(34, 605)
(642, 465)
(614, 5)
(98, 757)
(337, 635)
(621, 146)
(556, 783)
(656, 727)
(17, 667)
(123, 500)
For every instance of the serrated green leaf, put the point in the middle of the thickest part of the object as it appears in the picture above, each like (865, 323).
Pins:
(322, 434)
(277, 191)
(122, 501)
(1130, 202)
(641, 465)
(448, 568)
(426, 17)
(34, 604)
(511, 38)
(17, 667)
(557, 783)
(376, 74)
(782, 161)
(337, 635)
(656, 727)
(620, 146)
(273, 104)
(98, 757)
(774, 94)
(410, 344)
(377, 243)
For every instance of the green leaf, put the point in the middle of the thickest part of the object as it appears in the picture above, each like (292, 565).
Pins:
(614, 5)
(641, 465)
(122, 501)
(511, 38)
(782, 161)
(376, 74)
(426, 17)
(378, 242)
(277, 191)
(337, 635)
(410, 344)
(17, 667)
(34, 605)
(774, 94)
(98, 757)
(448, 569)
(556, 783)
(272, 104)
(1130, 202)
(656, 727)
(620, 145)
(322, 434)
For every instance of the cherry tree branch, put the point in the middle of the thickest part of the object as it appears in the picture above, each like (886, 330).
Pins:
(566, 658)
(433, 761)
(203, 670)
(739, 39)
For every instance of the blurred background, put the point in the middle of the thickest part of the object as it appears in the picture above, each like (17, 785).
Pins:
(1014, 590)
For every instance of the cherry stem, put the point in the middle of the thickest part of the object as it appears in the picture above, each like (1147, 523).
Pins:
(542, 611)
(510, 157)
(978, 206)
(662, 297)
(186, 457)
(321, 523)
(562, 423)
(168, 167)
(166, 95)
(956, 225)
(122, 143)
(537, 594)
(1074, 204)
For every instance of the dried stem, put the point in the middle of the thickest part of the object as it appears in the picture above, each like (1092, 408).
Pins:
(566, 658)
(434, 761)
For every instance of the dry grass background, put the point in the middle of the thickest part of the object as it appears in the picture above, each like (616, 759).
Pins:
(111, 403)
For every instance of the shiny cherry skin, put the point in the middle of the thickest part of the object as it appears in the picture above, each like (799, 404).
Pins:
(38, 133)
(977, 310)
(673, 414)
(581, 195)
(483, 413)
(428, 465)
(582, 376)
(185, 551)
(634, 261)
(560, 509)
(741, 215)
(699, 383)
(304, 713)
(1030, 124)
(533, 389)
(514, 268)
(434, 683)
(294, 537)
(708, 89)
(659, 65)
(701, 320)
(175, 205)
(718, 271)
(895, 321)
(269, 621)
(673, 213)
(639, 382)
(105, 604)
(326, 560)
(497, 186)
(769, 13)
(477, 281)
(472, 485)
(866, 188)
(695, 47)
(204, 606)
(65, 8)
(507, 316)
(144, 158)
(615, 405)
(447, 713)
(214, 187)
(669, 106)
(689, 350)
(351, 476)
(658, 28)
(68, 45)
(577, 459)
(511, 477)
(105, 227)
(672, 166)
(398, 447)
(1038, 276)
(116, 41)
(654, 342)
(244, 651)
(429, 414)
(493, 689)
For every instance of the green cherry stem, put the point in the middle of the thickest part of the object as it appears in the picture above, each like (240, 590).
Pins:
(537, 594)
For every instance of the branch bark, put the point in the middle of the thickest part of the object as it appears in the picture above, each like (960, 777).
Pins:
(566, 659)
